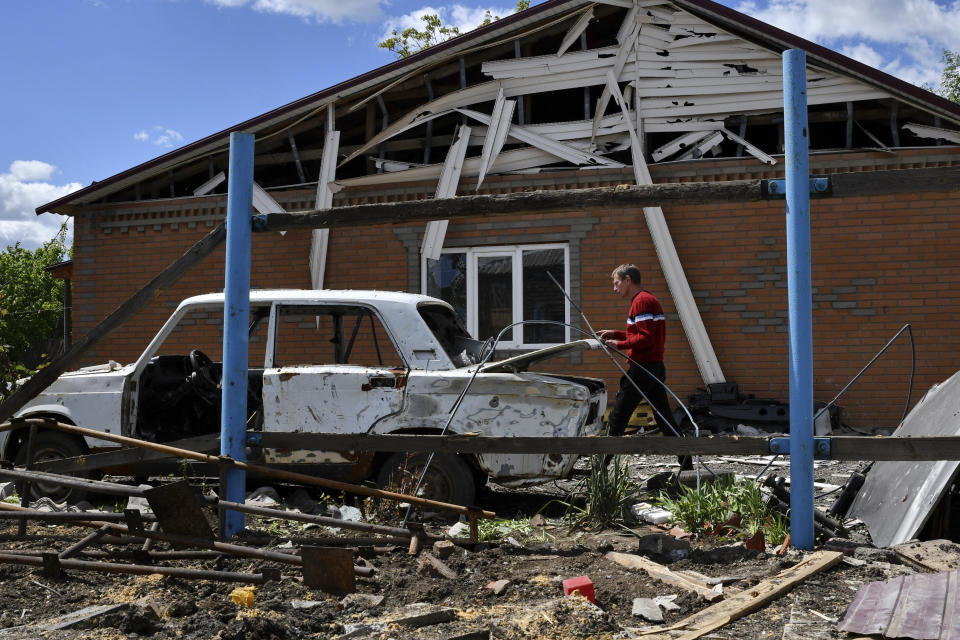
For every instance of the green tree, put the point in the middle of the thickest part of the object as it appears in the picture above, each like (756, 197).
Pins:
(950, 78)
(412, 40)
(31, 300)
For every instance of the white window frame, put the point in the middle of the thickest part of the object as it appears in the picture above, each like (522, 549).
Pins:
(514, 339)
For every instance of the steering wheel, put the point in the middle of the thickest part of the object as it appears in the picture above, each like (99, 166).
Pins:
(203, 373)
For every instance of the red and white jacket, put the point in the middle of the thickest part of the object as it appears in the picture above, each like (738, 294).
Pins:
(646, 329)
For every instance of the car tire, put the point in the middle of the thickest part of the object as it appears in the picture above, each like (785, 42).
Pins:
(449, 478)
(51, 445)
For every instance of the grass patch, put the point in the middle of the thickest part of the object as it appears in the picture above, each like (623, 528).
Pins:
(726, 509)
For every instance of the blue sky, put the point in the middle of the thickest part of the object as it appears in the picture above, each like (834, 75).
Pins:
(94, 87)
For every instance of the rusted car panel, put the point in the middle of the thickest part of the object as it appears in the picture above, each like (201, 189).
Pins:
(342, 362)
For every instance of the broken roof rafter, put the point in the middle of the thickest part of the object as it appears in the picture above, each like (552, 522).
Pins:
(690, 32)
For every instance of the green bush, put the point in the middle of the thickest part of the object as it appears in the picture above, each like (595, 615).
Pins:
(727, 509)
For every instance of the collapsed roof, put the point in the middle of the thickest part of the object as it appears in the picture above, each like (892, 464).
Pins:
(565, 84)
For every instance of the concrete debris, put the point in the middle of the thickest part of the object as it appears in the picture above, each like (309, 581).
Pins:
(353, 514)
(647, 609)
(361, 629)
(305, 604)
(498, 586)
(443, 549)
(422, 614)
(430, 566)
(361, 601)
(667, 602)
(263, 497)
(459, 530)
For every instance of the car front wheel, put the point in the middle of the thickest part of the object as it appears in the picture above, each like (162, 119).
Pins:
(51, 445)
(449, 478)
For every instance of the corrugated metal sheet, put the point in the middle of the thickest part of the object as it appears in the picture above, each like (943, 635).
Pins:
(922, 606)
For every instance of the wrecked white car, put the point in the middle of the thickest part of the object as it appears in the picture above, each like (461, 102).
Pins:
(332, 362)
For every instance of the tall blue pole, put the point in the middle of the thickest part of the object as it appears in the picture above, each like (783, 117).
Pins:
(236, 318)
(799, 295)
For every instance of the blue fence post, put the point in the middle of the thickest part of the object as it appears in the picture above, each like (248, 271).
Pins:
(799, 295)
(236, 317)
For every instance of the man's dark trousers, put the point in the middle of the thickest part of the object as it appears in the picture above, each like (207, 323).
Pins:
(648, 378)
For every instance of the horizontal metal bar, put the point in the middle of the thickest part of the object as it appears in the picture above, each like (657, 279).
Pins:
(70, 516)
(114, 567)
(837, 447)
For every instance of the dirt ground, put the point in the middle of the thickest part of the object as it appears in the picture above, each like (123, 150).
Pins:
(531, 605)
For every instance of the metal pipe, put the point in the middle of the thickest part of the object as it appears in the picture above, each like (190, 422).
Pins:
(70, 481)
(330, 522)
(800, 296)
(113, 567)
(69, 516)
(236, 315)
(78, 546)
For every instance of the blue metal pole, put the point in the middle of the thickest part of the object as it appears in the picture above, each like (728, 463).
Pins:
(800, 296)
(236, 317)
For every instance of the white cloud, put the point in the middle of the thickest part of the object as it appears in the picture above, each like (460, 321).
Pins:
(335, 11)
(908, 36)
(160, 136)
(31, 170)
(457, 15)
(26, 186)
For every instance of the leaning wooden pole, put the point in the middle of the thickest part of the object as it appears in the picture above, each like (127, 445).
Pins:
(43, 378)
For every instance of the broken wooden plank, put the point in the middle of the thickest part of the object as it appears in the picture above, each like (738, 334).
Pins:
(663, 574)
(930, 555)
(496, 134)
(749, 600)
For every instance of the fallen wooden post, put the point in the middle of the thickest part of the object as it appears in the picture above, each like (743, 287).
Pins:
(663, 574)
(748, 600)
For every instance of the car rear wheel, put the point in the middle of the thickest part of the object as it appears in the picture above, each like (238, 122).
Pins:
(51, 445)
(449, 478)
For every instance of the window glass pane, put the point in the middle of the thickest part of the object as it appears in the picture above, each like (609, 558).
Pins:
(447, 280)
(494, 295)
(332, 334)
(542, 300)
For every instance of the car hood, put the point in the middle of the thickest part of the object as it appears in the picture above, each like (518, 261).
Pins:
(523, 361)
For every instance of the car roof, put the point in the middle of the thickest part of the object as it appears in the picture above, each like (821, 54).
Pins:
(318, 295)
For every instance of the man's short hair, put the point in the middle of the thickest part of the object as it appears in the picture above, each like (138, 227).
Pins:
(625, 270)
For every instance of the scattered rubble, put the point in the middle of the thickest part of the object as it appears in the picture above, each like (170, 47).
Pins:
(506, 588)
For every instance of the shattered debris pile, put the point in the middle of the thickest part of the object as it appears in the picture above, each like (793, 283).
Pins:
(652, 582)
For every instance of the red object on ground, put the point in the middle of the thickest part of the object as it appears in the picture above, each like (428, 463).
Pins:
(582, 585)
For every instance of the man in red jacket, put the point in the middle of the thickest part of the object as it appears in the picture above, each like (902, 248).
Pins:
(643, 342)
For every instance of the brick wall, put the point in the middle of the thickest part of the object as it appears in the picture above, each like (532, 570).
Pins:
(878, 263)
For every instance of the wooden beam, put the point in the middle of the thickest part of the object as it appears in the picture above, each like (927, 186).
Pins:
(663, 574)
(43, 378)
(740, 604)
(516, 203)
(841, 185)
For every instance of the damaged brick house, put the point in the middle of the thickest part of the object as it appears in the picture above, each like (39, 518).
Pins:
(566, 95)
